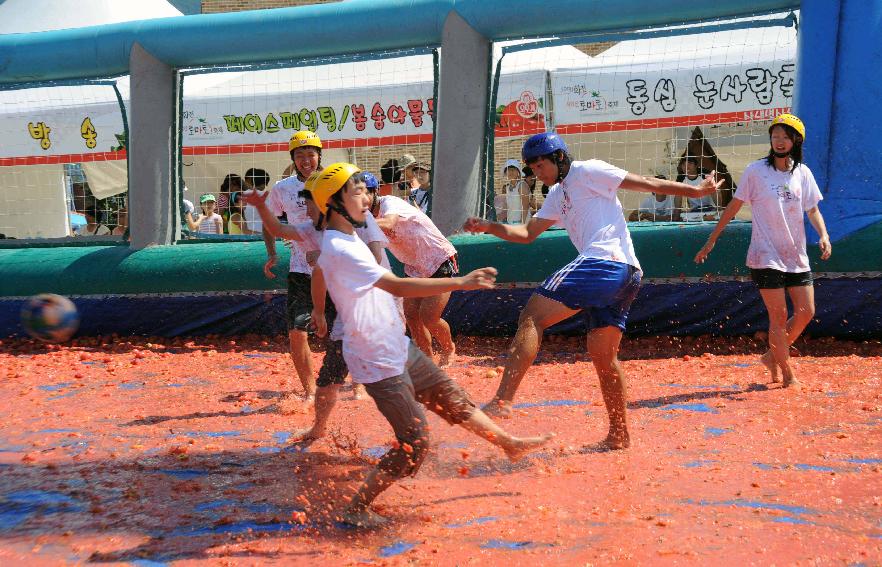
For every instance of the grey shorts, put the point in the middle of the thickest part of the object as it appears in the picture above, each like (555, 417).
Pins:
(401, 399)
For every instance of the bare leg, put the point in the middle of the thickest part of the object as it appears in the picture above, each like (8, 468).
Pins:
(431, 309)
(302, 357)
(418, 331)
(803, 299)
(515, 447)
(358, 513)
(539, 314)
(776, 305)
(325, 399)
(603, 346)
(358, 391)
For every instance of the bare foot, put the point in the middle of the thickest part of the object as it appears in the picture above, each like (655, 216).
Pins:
(291, 403)
(497, 408)
(446, 358)
(768, 360)
(363, 519)
(520, 446)
(359, 392)
(307, 434)
(617, 440)
(791, 382)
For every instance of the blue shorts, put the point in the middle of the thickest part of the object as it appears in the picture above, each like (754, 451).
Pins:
(602, 289)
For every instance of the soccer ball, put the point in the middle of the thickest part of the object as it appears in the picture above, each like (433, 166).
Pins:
(50, 318)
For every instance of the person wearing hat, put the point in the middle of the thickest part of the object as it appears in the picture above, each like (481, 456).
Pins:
(600, 283)
(399, 377)
(208, 221)
(284, 199)
(515, 195)
(781, 190)
(405, 175)
(421, 186)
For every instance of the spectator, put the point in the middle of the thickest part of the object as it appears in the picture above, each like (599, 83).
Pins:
(208, 222)
(692, 177)
(93, 227)
(405, 175)
(390, 175)
(122, 222)
(231, 184)
(236, 224)
(256, 179)
(656, 207)
(421, 194)
(530, 180)
(517, 199)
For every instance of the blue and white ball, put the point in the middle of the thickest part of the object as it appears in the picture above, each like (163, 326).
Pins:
(50, 318)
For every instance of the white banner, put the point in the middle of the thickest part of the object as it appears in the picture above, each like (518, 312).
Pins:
(43, 125)
(54, 121)
(587, 96)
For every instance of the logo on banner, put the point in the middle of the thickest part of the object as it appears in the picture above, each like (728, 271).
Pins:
(199, 128)
(523, 115)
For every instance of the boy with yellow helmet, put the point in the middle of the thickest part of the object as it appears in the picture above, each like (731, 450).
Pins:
(284, 199)
(780, 190)
(396, 374)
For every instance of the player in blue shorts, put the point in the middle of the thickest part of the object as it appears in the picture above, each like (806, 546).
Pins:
(600, 282)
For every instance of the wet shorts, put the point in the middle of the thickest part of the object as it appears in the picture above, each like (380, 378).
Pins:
(299, 303)
(602, 289)
(401, 399)
(769, 278)
(449, 269)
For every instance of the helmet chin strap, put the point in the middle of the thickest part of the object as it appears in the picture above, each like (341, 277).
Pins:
(780, 155)
(342, 212)
(560, 162)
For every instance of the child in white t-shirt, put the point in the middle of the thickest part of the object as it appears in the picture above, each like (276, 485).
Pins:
(208, 222)
(399, 377)
(308, 236)
(418, 244)
(601, 282)
(781, 190)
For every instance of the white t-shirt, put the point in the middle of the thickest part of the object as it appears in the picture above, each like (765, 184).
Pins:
(415, 241)
(210, 224)
(653, 206)
(778, 200)
(586, 205)
(706, 202)
(374, 344)
(284, 198)
(252, 219)
(311, 241)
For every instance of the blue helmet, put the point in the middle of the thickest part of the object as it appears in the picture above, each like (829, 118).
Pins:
(542, 144)
(370, 180)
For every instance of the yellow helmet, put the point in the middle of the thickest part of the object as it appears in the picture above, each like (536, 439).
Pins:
(790, 120)
(304, 138)
(322, 184)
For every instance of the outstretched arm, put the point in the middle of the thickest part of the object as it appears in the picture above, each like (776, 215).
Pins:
(520, 233)
(482, 278)
(731, 210)
(708, 186)
(271, 224)
(814, 215)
